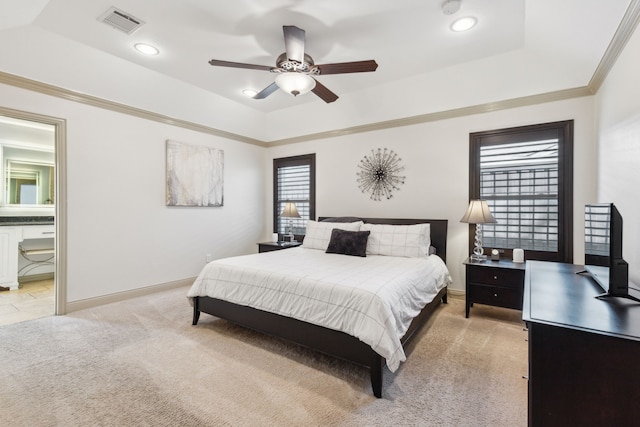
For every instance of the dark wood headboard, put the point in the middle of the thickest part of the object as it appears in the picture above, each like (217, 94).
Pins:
(438, 230)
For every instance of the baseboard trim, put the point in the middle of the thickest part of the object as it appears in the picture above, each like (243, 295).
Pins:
(36, 277)
(148, 290)
(456, 293)
(122, 296)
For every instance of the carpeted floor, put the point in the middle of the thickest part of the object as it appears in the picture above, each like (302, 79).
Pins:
(141, 363)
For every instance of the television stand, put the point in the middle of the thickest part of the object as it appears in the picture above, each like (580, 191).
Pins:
(608, 295)
(597, 274)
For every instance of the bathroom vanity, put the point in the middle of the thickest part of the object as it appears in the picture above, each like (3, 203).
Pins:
(16, 231)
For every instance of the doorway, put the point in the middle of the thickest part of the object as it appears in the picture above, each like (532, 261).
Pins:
(32, 215)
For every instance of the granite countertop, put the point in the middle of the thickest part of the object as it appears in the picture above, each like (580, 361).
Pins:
(25, 220)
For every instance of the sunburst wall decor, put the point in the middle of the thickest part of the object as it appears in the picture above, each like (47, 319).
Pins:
(379, 174)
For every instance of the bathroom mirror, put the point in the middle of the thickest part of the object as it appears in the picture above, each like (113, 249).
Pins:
(27, 159)
(29, 183)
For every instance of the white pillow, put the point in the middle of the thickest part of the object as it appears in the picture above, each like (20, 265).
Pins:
(411, 241)
(318, 234)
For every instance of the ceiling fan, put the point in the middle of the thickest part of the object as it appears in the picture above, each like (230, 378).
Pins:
(296, 69)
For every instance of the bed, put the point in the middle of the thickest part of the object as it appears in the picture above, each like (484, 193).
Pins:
(306, 283)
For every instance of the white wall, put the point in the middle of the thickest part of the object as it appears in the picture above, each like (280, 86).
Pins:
(120, 234)
(618, 141)
(436, 159)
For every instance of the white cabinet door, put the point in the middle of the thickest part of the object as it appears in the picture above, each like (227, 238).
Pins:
(9, 257)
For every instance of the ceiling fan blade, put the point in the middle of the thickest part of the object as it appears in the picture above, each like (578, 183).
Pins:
(348, 67)
(218, 63)
(325, 94)
(266, 91)
(294, 42)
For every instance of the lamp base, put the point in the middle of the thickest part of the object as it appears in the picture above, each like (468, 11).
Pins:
(289, 238)
(475, 257)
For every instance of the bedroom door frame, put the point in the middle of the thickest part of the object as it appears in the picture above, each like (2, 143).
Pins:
(60, 206)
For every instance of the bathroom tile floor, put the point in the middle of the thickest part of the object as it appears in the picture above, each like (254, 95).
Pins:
(31, 301)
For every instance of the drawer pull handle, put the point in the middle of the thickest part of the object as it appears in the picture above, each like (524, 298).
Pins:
(48, 232)
(495, 277)
(495, 295)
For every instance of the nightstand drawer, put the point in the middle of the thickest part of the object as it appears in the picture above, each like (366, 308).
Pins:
(497, 296)
(268, 248)
(497, 276)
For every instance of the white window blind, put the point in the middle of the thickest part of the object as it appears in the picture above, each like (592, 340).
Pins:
(525, 174)
(293, 182)
(519, 181)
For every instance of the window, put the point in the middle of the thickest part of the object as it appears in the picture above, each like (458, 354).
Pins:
(294, 180)
(526, 176)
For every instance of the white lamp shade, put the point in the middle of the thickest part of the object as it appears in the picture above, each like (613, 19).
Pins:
(478, 213)
(295, 83)
(290, 211)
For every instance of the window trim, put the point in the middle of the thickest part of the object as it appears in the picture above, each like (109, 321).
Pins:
(564, 131)
(305, 159)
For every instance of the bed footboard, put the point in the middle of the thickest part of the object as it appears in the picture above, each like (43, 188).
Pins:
(334, 343)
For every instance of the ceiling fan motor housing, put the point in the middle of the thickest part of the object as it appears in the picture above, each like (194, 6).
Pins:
(285, 64)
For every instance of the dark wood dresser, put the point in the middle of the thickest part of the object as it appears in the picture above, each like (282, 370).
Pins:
(584, 352)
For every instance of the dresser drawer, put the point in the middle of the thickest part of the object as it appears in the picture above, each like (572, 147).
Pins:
(39, 231)
(497, 276)
(497, 296)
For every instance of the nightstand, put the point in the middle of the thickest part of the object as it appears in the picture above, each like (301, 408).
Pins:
(497, 283)
(276, 246)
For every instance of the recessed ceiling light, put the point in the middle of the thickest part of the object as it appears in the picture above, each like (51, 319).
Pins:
(464, 24)
(147, 49)
(250, 93)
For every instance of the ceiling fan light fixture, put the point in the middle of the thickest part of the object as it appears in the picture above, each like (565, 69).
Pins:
(464, 24)
(295, 83)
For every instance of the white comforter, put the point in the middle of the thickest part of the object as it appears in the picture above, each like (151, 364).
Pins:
(372, 298)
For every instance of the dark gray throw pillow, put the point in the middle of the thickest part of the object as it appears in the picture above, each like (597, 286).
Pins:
(348, 242)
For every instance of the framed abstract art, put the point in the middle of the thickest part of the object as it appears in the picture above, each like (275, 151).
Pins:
(195, 175)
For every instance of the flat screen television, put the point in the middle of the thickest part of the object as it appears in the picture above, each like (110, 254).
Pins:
(603, 249)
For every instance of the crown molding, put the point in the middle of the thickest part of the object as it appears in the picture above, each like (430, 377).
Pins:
(94, 101)
(442, 115)
(47, 89)
(618, 42)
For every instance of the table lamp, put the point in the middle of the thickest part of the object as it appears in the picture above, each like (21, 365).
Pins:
(478, 213)
(290, 211)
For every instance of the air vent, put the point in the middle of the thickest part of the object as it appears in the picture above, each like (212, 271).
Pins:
(121, 20)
